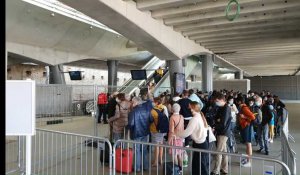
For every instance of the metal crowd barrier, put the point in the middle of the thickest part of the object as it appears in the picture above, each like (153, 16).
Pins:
(14, 153)
(63, 153)
(287, 154)
(260, 165)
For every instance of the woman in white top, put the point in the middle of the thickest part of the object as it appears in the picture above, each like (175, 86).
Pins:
(234, 112)
(197, 129)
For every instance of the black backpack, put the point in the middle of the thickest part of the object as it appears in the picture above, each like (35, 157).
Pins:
(163, 122)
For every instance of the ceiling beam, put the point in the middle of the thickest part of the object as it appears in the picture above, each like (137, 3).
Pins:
(144, 5)
(240, 21)
(194, 8)
(231, 50)
(264, 47)
(253, 41)
(266, 36)
(230, 27)
(256, 10)
(259, 52)
(246, 32)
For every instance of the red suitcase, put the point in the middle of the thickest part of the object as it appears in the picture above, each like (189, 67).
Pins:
(124, 159)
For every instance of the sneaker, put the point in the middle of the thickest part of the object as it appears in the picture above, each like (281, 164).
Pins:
(267, 153)
(212, 173)
(243, 161)
(105, 122)
(259, 151)
(271, 141)
(247, 165)
(223, 172)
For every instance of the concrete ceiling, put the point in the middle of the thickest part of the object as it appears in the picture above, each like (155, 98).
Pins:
(264, 40)
(55, 35)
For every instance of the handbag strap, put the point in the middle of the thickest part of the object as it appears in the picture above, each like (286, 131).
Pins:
(178, 122)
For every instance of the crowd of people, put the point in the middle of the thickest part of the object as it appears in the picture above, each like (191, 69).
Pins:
(184, 120)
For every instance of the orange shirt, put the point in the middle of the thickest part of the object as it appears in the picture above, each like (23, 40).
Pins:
(248, 114)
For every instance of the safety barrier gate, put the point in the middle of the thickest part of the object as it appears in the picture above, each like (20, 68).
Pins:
(56, 152)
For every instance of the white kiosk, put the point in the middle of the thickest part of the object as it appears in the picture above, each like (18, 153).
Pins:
(20, 113)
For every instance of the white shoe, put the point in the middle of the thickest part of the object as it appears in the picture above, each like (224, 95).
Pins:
(244, 161)
(271, 141)
(247, 165)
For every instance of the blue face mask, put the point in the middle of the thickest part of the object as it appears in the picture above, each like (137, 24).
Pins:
(271, 107)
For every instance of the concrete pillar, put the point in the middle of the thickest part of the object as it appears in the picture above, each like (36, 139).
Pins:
(239, 75)
(193, 78)
(112, 75)
(175, 66)
(56, 75)
(207, 73)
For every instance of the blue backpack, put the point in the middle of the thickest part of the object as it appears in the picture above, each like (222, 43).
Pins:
(163, 122)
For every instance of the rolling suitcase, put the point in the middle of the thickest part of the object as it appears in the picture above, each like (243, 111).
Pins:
(124, 159)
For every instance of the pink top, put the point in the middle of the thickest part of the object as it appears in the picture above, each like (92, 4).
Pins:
(176, 125)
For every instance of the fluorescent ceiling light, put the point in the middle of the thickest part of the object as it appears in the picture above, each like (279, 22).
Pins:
(28, 63)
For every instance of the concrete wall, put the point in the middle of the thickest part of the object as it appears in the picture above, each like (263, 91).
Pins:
(286, 87)
(18, 72)
(38, 73)
(236, 85)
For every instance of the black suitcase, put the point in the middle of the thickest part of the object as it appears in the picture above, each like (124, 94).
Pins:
(104, 152)
(171, 169)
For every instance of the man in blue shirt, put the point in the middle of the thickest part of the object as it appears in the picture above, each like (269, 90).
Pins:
(139, 120)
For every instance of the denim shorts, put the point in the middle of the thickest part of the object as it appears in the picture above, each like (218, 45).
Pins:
(246, 133)
(157, 137)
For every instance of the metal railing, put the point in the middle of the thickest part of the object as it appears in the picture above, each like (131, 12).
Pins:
(14, 153)
(260, 165)
(288, 155)
(65, 153)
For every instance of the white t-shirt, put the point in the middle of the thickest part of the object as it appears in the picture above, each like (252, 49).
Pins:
(195, 129)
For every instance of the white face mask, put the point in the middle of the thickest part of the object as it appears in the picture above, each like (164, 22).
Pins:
(230, 102)
(257, 103)
(219, 103)
(250, 104)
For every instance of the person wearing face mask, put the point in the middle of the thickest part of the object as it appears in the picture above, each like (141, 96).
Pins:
(197, 129)
(262, 128)
(234, 112)
(223, 130)
(245, 120)
(252, 106)
(271, 122)
(120, 119)
(280, 107)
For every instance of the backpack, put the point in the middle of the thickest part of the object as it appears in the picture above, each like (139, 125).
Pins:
(102, 99)
(163, 122)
